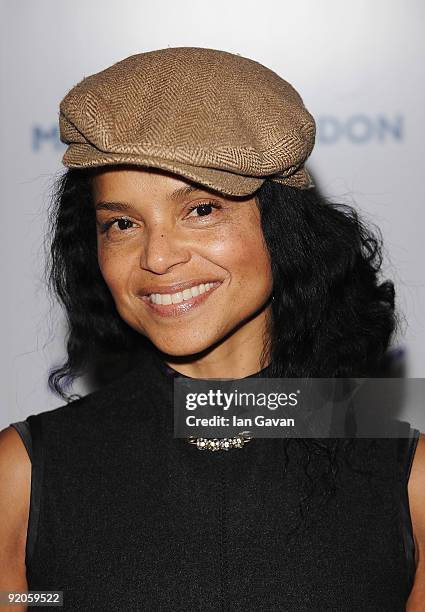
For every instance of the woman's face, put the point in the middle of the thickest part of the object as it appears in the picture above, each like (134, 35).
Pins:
(155, 229)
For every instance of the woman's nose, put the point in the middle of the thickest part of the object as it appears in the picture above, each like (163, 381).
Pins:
(163, 248)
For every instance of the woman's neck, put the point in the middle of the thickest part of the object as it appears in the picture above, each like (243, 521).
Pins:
(235, 359)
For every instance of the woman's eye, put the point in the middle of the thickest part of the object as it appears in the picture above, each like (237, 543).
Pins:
(204, 208)
(122, 224)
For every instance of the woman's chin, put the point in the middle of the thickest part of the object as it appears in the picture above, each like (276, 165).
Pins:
(184, 347)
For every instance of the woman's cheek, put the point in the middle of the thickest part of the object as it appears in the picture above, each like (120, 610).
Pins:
(112, 270)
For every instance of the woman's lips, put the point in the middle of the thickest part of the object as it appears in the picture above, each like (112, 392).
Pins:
(175, 310)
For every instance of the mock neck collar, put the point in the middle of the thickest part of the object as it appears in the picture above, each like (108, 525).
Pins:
(150, 352)
(172, 373)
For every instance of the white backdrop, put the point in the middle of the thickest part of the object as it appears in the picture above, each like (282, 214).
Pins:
(358, 66)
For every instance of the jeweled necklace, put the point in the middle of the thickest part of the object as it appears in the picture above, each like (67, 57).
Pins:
(216, 444)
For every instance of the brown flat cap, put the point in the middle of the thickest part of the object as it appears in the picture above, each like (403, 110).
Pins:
(213, 117)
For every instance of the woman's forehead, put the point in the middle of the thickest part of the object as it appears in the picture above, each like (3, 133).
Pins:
(136, 177)
(136, 181)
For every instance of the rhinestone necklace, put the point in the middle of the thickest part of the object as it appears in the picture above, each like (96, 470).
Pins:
(216, 444)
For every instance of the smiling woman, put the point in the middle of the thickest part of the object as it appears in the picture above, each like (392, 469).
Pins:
(187, 240)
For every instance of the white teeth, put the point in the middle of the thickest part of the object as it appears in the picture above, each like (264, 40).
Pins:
(175, 297)
(180, 296)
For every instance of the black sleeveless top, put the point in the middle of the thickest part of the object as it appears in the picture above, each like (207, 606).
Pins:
(123, 516)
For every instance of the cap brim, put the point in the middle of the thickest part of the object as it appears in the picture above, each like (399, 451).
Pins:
(229, 183)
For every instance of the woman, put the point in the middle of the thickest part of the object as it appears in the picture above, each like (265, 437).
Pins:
(188, 241)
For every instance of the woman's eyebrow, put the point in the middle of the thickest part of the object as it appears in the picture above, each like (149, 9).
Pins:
(114, 206)
(181, 192)
(176, 195)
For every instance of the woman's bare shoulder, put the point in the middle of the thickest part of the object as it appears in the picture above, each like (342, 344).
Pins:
(416, 491)
(15, 490)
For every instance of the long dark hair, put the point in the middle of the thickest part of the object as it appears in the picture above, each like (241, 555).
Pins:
(332, 316)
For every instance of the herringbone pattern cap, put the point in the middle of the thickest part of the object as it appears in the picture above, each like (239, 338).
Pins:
(213, 117)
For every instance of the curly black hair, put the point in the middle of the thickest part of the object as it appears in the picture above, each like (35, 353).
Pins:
(331, 315)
